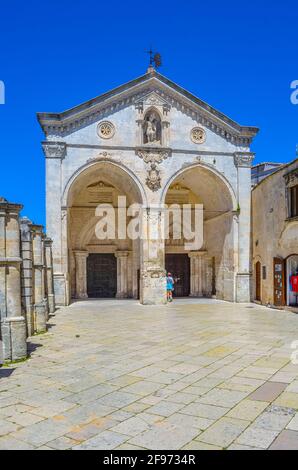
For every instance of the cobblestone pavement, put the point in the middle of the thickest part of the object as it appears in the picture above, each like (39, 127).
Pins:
(113, 374)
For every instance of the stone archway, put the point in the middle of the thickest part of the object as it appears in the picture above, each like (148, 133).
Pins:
(214, 265)
(115, 187)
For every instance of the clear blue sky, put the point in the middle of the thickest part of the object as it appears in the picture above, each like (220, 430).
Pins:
(238, 56)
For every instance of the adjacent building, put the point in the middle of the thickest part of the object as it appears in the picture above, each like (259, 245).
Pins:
(275, 237)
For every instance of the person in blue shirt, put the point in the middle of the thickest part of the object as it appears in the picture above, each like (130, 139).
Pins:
(170, 287)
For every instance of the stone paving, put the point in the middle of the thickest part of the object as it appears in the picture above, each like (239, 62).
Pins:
(195, 374)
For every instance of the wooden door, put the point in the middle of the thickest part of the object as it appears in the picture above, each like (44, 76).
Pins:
(279, 282)
(101, 275)
(179, 266)
(258, 280)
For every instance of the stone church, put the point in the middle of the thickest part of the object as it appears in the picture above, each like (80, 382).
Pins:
(156, 144)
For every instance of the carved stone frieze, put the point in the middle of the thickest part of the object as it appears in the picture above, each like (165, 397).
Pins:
(153, 155)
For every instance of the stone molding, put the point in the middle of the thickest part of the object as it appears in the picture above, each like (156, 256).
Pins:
(193, 254)
(243, 159)
(153, 155)
(54, 149)
(122, 254)
(291, 178)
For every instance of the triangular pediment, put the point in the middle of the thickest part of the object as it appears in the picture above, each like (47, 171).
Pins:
(151, 88)
(152, 99)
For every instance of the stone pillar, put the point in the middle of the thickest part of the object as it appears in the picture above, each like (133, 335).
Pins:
(243, 162)
(55, 153)
(13, 324)
(122, 274)
(27, 273)
(40, 307)
(153, 275)
(208, 276)
(49, 277)
(81, 273)
(197, 273)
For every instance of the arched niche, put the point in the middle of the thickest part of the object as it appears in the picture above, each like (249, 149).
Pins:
(152, 127)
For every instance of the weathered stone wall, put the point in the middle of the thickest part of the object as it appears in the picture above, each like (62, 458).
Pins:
(20, 286)
(274, 234)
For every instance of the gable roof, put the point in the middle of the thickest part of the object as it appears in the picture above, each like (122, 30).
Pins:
(79, 114)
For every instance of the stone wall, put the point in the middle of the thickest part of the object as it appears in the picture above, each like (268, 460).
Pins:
(274, 232)
(26, 281)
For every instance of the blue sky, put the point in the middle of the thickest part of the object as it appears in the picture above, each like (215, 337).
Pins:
(240, 57)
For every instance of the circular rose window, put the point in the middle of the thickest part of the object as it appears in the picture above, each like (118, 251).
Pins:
(198, 135)
(105, 130)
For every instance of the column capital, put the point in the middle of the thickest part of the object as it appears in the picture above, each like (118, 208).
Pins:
(54, 149)
(10, 207)
(243, 159)
(81, 253)
(121, 254)
(48, 241)
(194, 254)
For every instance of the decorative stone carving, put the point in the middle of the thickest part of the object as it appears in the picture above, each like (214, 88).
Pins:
(153, 155)
(100, 156)
(152, 128)
(153, 179)
(198, 135)
(101, 192)
(54, 149)
(105, 130)
(291, 178)
(177, 194)
(243, 159)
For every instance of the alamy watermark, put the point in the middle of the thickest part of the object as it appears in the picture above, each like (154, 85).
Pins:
(2, 92)
(176, 222)
(294, 94)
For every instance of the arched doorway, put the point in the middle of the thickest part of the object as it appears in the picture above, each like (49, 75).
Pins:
(102, 266)
(211, 267)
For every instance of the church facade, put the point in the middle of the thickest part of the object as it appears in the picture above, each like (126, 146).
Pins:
(148, 144)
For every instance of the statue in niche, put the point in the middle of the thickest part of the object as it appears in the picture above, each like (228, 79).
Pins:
(152, 128)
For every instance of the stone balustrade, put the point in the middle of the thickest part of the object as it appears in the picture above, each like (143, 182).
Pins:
(26, 281)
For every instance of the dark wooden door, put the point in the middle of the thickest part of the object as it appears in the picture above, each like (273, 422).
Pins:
(179, 266)
(279, 282)
(258, 280)
(101, 275)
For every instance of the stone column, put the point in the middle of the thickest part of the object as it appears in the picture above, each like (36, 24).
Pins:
(13, 324)
(243, 162)
(153, 275)
(40, 307)
(197, 273)
(122, 274)
(55, 153)
(81, 273)
(27, 273)
(49, 277)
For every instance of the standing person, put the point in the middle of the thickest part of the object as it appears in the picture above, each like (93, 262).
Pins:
(170, 287)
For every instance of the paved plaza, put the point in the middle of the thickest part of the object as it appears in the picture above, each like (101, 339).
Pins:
(195, 374)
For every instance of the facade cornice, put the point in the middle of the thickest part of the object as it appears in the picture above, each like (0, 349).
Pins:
(116, 148)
